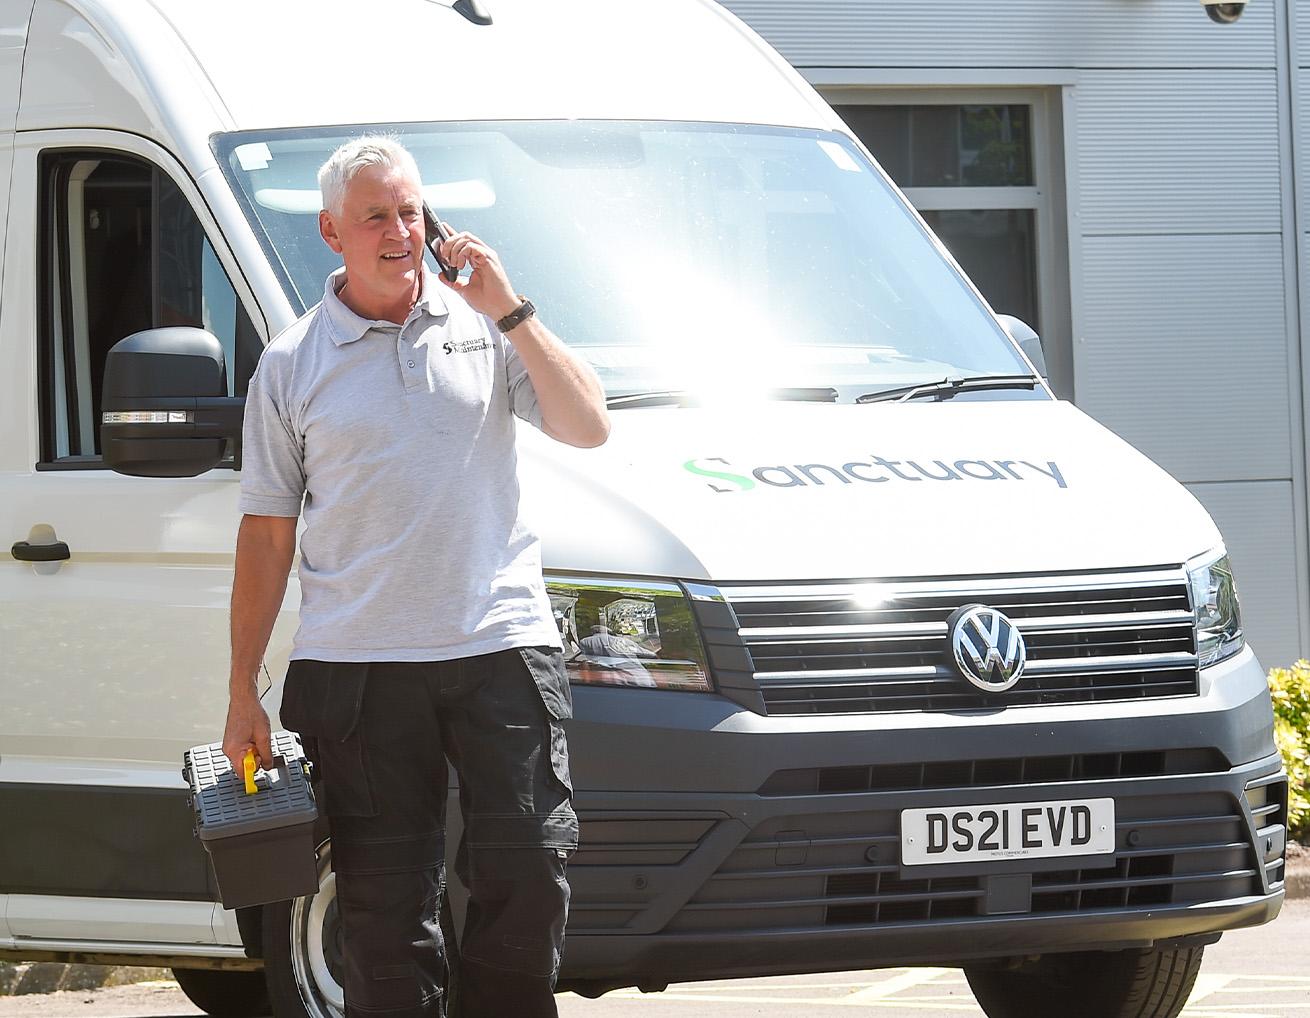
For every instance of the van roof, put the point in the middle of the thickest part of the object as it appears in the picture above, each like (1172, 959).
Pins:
(283, 63)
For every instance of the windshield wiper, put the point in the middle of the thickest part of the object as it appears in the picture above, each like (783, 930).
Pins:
(685, 397)
(949, 386)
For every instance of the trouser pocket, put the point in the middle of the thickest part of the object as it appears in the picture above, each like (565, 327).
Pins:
(394, 957)
(323, 701)
(559, 757)
(550, 675)
(517, 909)
(509, 745)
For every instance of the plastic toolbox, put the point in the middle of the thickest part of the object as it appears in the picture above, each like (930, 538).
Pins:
(261, 843)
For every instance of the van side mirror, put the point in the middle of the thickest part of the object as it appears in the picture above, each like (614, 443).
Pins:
(164, 409)
(1029, 342)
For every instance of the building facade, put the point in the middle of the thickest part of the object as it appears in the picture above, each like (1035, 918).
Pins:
(1133, 180)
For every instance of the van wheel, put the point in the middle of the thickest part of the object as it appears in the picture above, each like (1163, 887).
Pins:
(303, 950)
(225, 994)
(1092, 984)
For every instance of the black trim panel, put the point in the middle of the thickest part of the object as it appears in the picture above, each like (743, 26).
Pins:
(101, 842)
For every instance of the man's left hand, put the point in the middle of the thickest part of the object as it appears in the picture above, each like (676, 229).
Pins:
(487, 290)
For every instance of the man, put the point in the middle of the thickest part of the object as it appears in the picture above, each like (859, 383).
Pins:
(425, 634)
(617, 654)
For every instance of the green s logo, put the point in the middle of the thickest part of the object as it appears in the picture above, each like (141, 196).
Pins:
(743, 483)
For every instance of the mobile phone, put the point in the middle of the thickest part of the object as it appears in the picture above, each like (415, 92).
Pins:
(434, 234)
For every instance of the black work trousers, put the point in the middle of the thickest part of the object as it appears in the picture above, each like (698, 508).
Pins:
(380, 736)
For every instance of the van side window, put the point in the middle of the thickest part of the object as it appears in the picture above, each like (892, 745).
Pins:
(120, 251)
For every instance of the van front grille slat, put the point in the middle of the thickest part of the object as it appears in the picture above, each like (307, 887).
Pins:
(877, 647)
(992, 772)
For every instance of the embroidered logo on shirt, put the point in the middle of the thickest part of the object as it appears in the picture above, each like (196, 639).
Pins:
(467, 345)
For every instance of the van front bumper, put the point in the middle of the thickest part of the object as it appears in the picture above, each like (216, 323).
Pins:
(656, 961)
(717, 842)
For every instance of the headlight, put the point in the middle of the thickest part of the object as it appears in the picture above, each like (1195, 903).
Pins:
(1218, 618)
(620, 632)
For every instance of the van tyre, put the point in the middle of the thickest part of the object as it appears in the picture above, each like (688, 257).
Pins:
(303, 951)
(225, 994)
(1093, 984)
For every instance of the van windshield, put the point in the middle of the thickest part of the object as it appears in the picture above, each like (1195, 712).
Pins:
(672, 256)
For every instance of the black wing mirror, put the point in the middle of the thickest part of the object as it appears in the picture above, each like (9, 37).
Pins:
(164, 409)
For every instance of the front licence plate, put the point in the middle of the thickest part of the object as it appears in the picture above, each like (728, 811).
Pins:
(1011, 830)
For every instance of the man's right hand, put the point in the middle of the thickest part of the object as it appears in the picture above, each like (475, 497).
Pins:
(247, 728)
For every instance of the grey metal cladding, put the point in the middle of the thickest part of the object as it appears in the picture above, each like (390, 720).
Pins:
(1183, 351)
(1178, 151)
(1256, 519)
(1017, 33)
(1303, 132)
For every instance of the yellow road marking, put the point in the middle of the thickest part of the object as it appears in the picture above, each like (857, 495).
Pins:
(1293, 982)
(1227, 1011)
(886, 987)
(772, 986)
(944, 1004)
(883, 993)
(1203, 1013)
(1207, 984)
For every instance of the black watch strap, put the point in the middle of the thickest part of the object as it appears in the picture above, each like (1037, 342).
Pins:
(518, 316)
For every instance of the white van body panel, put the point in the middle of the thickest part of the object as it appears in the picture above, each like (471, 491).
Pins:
(1100, 505)
(14, 16)
(421, 61)
(170, 71)
(118, 66)
(47, 920)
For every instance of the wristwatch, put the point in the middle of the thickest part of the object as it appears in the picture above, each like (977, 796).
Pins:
(518, 316)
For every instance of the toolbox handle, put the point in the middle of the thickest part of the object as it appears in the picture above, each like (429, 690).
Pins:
(249, 766)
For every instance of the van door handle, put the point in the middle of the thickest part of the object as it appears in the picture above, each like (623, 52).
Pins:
(25, 552)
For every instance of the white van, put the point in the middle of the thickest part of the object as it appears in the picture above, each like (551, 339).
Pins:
(920, 665)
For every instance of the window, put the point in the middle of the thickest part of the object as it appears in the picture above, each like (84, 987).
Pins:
(121, 251)
(710, 257)
(970, 171)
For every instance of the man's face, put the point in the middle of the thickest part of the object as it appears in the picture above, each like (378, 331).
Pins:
(378, 233)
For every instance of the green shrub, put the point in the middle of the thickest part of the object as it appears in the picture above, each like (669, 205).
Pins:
(1290, 689)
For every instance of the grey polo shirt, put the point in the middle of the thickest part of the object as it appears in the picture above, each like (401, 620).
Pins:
(399, 440)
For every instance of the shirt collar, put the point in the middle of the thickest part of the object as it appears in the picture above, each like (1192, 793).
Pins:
(346, 326)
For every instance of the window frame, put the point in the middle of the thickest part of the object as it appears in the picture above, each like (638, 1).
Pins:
(1045, 197)
(68, 146)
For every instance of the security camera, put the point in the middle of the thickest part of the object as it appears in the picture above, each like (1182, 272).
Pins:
(1224, 14)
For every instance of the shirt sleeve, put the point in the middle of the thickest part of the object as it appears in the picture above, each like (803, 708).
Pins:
(522, 396)
(272, 450)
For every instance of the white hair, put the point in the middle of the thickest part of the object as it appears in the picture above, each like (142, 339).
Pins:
(353, 156)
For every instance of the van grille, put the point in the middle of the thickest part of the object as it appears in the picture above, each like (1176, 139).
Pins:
(842, 870)
(851, 648)
(1008, 770)
(1267, 800)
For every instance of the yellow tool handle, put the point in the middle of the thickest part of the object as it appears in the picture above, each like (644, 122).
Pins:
(249, 768)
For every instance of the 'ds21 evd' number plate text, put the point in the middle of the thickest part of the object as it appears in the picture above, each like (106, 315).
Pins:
(1011, 830)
